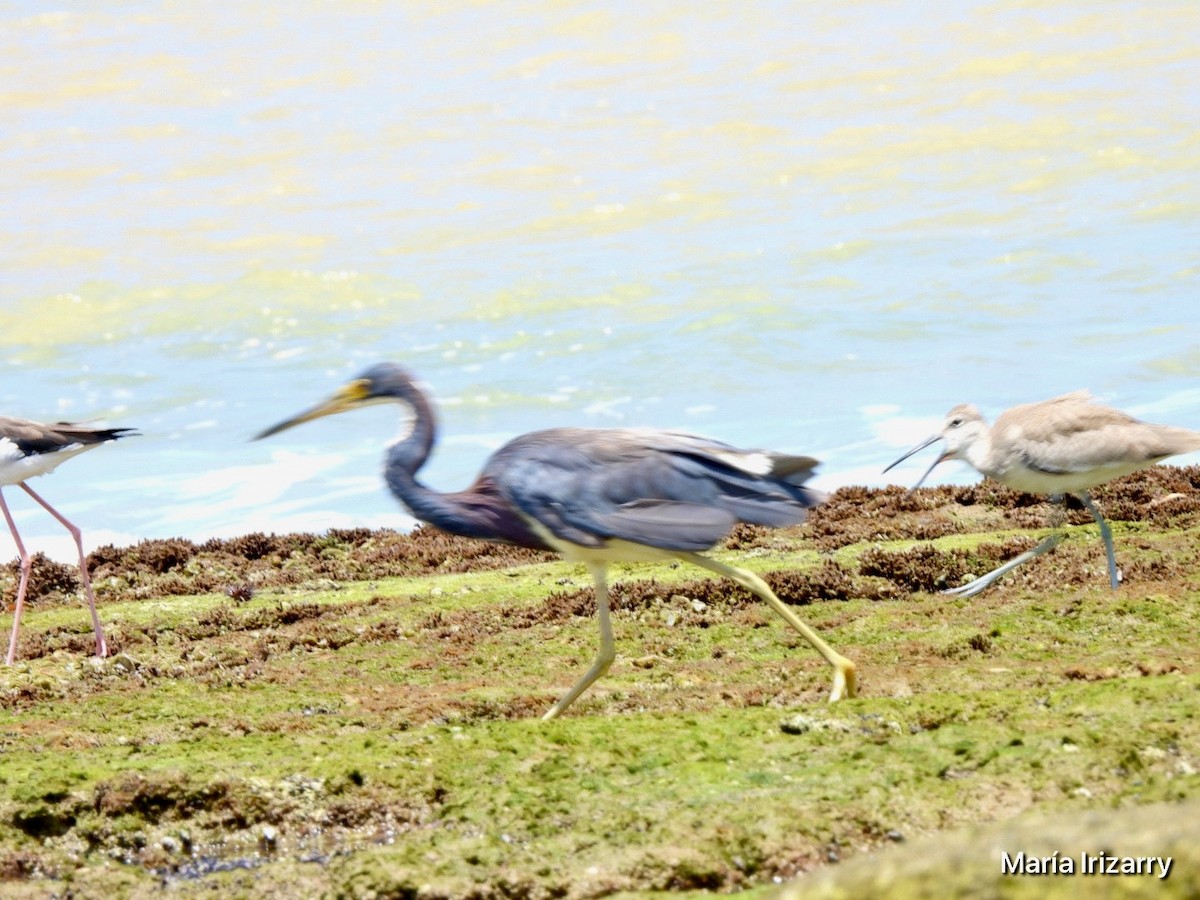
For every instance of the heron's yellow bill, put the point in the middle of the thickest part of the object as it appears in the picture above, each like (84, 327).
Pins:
(349, 396)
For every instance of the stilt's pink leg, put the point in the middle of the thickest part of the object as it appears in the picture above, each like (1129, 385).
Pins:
(101, 645)
(26, 564)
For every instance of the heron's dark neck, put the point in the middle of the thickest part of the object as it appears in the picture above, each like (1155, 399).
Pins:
(406, 457)
(453, 512)
(408, 454)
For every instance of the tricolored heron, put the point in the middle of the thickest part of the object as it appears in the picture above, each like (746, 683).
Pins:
(28, 449)
(1065, 445)
(599, 496)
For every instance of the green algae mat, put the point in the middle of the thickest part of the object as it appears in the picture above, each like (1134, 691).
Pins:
(357, 714)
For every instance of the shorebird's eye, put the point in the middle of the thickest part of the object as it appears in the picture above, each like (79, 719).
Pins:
(956, 422)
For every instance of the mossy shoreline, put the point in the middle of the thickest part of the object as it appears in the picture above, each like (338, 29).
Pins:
(356, 714)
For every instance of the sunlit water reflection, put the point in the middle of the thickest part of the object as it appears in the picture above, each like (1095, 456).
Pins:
(809, 228)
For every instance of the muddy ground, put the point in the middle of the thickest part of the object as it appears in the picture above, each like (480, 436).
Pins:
(240, 567)
(356, 713)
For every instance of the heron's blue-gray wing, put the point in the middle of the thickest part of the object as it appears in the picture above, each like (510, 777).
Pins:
(662, 489)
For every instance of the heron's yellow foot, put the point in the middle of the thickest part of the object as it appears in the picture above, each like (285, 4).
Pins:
(845, 679)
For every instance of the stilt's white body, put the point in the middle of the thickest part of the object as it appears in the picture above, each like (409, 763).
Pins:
(27, 450)
(17, 466)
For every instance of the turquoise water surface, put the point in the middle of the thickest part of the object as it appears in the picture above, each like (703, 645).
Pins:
(810, 227)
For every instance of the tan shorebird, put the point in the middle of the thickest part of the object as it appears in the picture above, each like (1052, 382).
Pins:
(28, 449)
(1065, 445)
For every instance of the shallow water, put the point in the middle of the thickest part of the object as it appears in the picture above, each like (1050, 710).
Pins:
(811, 229)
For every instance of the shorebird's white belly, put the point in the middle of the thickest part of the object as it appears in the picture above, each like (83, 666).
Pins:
(1034, 481)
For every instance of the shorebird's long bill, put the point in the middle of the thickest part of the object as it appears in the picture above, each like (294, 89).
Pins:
(942, 457)
(352, 396)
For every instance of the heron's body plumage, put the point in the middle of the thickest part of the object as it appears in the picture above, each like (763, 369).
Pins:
(599, 495)
(665, 489)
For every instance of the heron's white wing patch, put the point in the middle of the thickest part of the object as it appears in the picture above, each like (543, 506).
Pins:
(755, 462)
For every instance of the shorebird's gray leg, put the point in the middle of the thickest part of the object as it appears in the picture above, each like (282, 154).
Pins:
(983, 581)
(1114, 576)
(971, 588)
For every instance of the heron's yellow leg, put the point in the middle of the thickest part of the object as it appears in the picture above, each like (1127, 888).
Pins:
(845, 681)
(608, 650)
